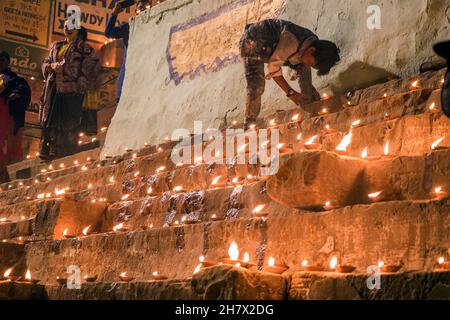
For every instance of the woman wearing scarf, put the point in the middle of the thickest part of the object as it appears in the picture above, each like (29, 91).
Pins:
(71, 68)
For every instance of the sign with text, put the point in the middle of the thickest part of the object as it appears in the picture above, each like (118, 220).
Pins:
(26, 21)
(26, 60)
(94, 15)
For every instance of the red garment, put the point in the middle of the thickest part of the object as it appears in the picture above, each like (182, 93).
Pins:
(10, 144)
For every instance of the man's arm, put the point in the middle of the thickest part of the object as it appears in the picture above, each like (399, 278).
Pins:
(113, 31)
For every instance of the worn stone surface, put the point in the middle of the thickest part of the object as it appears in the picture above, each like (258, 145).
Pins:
(21, 291)
(12, 255)
(230, 283)
(400, 286)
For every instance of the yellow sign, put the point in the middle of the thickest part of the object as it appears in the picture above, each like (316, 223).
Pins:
(26, 21)
(94, 16)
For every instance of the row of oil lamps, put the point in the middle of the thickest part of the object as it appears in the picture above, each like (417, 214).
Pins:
(233, 260)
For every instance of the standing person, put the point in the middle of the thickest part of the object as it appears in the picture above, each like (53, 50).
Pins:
(282, 43)
(15, 96)
(443, 49)
(70, 69)
(122, 32)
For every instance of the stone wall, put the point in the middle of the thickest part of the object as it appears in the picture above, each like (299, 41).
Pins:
(183, 62)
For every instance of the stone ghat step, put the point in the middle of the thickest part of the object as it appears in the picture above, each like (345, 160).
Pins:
(413, 102)
(358, 235)
(230, 283)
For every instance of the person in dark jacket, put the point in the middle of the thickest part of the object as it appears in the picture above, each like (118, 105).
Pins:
(15, 96)
(278, 43)
(122, 31)
(443, 49)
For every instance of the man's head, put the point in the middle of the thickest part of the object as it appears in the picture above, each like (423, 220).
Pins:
(321, 55)
(5, 60)
(141, 5)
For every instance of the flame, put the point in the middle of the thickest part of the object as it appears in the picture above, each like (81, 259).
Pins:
(234, 122)
(253, 126)
(90, 186)
(272, 122)
(281, 145)
(215, 180)
(198, 159)
(365, 153)
(246, 257)
(125, 197)
(111, 179)
(415, 84)
(75, 162)
(295, 117)
(237, 265)
(304, 263)
(103, 129)
(432, 106)
(311, 141)
(149, 190)
(59, 192)
(183, 219)
(258, 208)
(178, 188)
(123, 274)
(436, 143)
(299, 137)
(7, 273)
(197, 268)
(155, 273)
(235, 180)
(438, 190)
(327, 203)
(160, 169)
(386, 149)
(375, 195)
(166, 138)
(345, 142)
(324, 110)
(441, 260)
(333, 263)
(233, 251)
(66, 231)
(214, 216)
(325, 96)
(41, 196)
(271, 262)
(201, 258)
(160, 149)
(28, 275)
(118, 227)
(86, 230)
(380, 264)
(355, 123)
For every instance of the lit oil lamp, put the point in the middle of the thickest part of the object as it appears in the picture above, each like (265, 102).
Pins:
(90, 278)
(4, 220)
(89, 186)
(385, 95)
(29, 279)
(272, 123)
(120, 228)
(238, 181)
(160, 169)
(125, 197)
(342, 147)
(311, 145)
(356, 124)
(329, 206)
(311, 268)
(273, 268)
(8, 277)
(178, 189)
(67, 235)
(111, 180)
(128, 149)
(103, 129)
(125, 277)
(365, 155)
(233, 253)
(61, 280)
(252, 127)
(435, 145)
(156, 276)
(185, 220)
(329, 130)
(206, 262)
(415, 85)
(86, 231)
(215, 184)
(443, 265)
(197, 269)
(432, 108)
(388, 268)
(299, 137)
(28, 156)
(325, 96)
(160, 149)
(323, 112)
(260, 211)
(333, 263)
(284, 149)
(295, 118)
(438, 193)
(386, 154)
(375, 196)
(251, 178)
(107, 156)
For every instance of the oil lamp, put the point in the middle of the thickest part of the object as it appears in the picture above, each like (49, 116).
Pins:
(103, 129)
(111, 180)
(128, 149)
(333, 263)
(251, 178)
(438, 193)
(86, 230)
(178, 189)
(388, 268)
(311, 268)
(443, 265)
(237, 181)
(415, 85)
(325, 96)
(160, 169)
(158, 277)
(375, 196)
(90, 278)
(329, 130)
(197, 269)
(160, 149)
(67, 235)
(299, 137)
(216, 185)
(342, 147)
(323, 112)
(125, 277)
(205, 263)
(385, 95)
(120, 228)
(8, 277)
(386, 154)
(329, 206)
(61, 280)
(356, 124)
(432, 108)
(125, 197)
(295, 117)
(435, 145)
(272, 123)
(284, 149)
(260, 211)
(29, 279)
(273, 268)
(310, 145)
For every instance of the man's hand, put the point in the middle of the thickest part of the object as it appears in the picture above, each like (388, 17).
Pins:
(297, 98)
(117, 9)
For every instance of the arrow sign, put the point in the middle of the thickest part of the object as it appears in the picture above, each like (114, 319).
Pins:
(34, 38)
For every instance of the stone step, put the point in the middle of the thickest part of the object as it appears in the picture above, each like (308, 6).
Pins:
(357, 235)
(231, 283)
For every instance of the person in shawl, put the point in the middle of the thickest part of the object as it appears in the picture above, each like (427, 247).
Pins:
(70, 70)
(15, 96)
